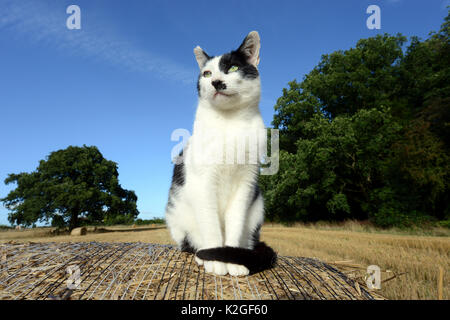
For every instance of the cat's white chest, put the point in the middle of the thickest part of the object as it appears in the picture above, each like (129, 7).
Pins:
(222, 141)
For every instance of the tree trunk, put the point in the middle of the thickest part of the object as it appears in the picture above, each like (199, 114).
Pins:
(73, 220)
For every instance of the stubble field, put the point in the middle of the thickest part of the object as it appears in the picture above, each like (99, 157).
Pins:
(411, 264)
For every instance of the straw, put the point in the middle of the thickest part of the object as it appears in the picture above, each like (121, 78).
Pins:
(128, 271)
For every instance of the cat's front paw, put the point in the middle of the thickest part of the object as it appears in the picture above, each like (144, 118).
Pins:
(199, 261)
(237, 270)
(216, 267)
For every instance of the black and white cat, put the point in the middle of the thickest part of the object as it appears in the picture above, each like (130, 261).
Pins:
(215, 207)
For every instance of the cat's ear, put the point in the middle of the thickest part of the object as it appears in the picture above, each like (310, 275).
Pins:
(201, 56)
(250, 48)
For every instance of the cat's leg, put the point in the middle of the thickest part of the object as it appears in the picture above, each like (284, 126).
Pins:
(174, 220)
(208, 222)
(255, 219)
(236, 218)
(183, 229)
(180, 221)
(199, 261)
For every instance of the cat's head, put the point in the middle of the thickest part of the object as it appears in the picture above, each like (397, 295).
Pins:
(230, 81)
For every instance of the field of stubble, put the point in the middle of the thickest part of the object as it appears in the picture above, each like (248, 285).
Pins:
(410, 264)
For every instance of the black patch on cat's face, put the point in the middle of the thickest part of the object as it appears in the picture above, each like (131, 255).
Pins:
(237, 58)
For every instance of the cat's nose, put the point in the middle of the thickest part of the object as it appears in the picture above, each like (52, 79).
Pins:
(219, 85)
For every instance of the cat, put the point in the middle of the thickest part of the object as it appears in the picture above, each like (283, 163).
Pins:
(215, 209)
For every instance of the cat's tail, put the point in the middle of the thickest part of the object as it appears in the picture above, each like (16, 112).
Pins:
(260, 258)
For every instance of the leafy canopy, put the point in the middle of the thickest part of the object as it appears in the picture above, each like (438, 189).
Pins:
(72, 186)
(365, 135)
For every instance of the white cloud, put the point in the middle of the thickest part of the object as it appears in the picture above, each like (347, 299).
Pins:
(40, 24)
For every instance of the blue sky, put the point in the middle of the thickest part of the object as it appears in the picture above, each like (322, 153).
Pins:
(127, 79)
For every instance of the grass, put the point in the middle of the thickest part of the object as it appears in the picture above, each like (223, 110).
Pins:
(367, 227)
(415, 259)
(410, 258)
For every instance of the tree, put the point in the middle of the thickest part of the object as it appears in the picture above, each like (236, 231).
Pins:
(293, 110)
(334, 169)
(72, 185)
(344, 82)
(366, 135)
(425, 74)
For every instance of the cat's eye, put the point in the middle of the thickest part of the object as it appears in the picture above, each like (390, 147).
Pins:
(233, 69)
(207, 74)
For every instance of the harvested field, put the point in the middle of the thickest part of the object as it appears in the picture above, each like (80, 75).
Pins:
(410, 263)
(94, 270)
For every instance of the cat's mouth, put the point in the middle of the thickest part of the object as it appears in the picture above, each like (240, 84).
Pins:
(218, 93)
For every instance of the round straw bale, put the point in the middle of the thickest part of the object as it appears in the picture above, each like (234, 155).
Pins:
(81, 231)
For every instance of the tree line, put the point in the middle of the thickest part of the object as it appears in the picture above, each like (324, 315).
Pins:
(365, 135)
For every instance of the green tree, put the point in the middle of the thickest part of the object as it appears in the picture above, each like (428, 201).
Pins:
(72, 185)
(293, 110)
(334, 169)
(425, 80)
(416, 177)
(344, 82)
(366, 135)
